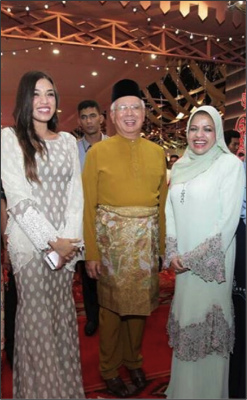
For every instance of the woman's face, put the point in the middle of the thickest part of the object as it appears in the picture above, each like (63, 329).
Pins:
(201, 134)
(44, 101)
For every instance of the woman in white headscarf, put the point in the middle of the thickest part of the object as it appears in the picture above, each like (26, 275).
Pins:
(202, 214)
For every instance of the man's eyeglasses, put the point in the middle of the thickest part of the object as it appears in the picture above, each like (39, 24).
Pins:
(123, 107)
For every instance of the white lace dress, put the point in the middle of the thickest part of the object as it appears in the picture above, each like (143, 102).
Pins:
(202, 216)
(46, 357)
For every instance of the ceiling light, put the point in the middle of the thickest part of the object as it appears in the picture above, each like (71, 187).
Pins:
(109, 57)
(82, 86)
(148, 19)
(158, 68)
(193, 109)
(163, 26)
(9, 9)
(56, 51)
(218, 39)
(205, 38)
(1, 53)
(26, 50)
(94, 73)
(177, 31)
(46, 6)
(153, 56)
(137, 65)
(126, 62)
(230, 39)
(180, 115)
(134, 10)
(14, 53)
(59, 111)
(40, 48)
(191, 36)
(103, 54)
(64, 2)
(27, 8)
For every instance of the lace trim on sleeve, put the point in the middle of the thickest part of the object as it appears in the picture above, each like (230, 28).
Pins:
(196, 341)
(171, 250)
(207, 260)
(37, 228)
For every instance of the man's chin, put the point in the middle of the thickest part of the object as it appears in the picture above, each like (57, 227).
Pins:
(91, 133)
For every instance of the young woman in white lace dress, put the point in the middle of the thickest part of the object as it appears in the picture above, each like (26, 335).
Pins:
(42, 183)
(202, 214)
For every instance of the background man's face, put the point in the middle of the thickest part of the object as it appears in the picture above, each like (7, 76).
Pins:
(90, 120)
(172, 161)
(234, 145)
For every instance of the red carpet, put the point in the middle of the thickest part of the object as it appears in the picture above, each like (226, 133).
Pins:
(156, 352)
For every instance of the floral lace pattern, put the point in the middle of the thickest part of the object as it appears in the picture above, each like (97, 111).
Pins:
(171, 250)
(196, 341)
(207, 260)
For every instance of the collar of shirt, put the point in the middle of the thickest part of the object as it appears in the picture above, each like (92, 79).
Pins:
(85, 144)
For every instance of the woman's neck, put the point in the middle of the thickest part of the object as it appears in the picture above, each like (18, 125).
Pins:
(44, 132)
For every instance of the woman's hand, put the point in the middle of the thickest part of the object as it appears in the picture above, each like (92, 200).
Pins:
(177, 266)
(66, 248)
(61, 262)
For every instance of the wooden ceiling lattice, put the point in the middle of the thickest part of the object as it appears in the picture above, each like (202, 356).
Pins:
(113, 35)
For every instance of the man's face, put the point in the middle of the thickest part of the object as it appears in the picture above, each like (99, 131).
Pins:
(90, 120)
(172, 161)
(128, 116)
(234, 145)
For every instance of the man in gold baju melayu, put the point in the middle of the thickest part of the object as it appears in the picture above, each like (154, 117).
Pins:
(125, 188)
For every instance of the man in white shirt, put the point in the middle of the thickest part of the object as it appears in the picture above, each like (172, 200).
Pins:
(90, 120)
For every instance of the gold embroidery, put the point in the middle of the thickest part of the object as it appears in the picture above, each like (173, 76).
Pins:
(128, 239)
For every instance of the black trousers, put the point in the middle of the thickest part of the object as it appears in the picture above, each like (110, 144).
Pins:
(237, 377)
(89, 288)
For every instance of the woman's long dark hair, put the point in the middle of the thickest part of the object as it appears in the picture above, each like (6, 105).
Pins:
(29, 140)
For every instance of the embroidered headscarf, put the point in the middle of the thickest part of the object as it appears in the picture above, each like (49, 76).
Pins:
(191, 164)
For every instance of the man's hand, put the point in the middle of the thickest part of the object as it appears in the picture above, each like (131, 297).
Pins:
(93, 269)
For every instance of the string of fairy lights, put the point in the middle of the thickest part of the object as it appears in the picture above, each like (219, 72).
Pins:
(146, 61)
(150, 21)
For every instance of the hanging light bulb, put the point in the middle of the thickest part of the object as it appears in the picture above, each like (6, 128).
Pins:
(191, 36)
